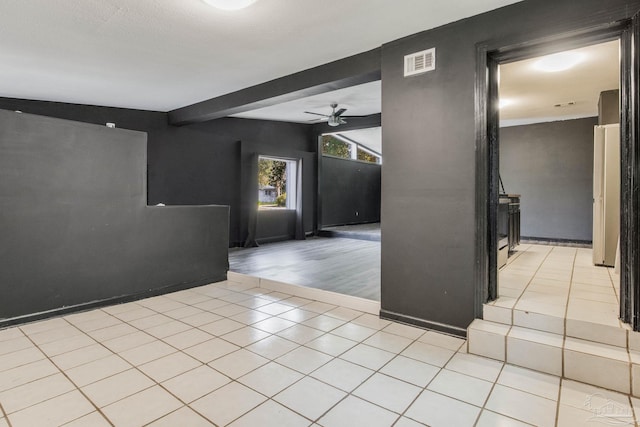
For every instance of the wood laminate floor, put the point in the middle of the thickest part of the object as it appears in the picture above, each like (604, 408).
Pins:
(347, 266)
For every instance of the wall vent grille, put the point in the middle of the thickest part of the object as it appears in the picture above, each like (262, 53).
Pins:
(420, 62)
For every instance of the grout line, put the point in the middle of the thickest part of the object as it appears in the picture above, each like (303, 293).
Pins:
(332, 358)
(272, 361)
(493, 386)
(304, 375)
(566, 311)
(135, 367)
(633, 410)
(531, 279)
(367, 378)
(440, 368)
(63, 372)
(631, 388)
(561, 384)
(181, 351)
(5, 415)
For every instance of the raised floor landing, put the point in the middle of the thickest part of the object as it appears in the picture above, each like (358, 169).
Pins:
(346, 266)
(559, 290)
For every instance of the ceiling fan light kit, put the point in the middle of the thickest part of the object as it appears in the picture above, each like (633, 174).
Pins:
(335, 118)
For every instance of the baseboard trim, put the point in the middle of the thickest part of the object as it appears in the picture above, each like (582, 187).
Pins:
(350, 235)
(32, 317)
(556, 242)
(274, 239)
(427, 324)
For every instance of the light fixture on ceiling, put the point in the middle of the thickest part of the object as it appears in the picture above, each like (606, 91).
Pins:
(230, 4)
(559, 61)
(505, 102)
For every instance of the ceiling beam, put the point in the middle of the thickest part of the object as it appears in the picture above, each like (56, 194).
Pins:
(351, 71)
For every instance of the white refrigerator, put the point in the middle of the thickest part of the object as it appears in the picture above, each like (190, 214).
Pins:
(606, 194)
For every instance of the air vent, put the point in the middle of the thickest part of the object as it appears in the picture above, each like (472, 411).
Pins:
(565, 104)
(420, 62)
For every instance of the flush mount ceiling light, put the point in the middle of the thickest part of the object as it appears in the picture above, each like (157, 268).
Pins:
(559, 61)
(505, 102)
(230, 4)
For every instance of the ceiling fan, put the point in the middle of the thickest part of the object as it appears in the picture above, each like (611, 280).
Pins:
(335, 118)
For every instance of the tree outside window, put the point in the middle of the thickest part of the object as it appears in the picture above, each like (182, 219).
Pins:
(333, 146)
(275, 188)
(337, 147)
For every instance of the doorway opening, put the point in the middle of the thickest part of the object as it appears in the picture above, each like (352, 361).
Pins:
(561, 233)
(349, 184)
(493, 62)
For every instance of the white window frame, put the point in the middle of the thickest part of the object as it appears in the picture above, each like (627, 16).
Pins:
(355, 147)
(291, 172)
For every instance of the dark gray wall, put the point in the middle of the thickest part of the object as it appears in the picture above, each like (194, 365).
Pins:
(275, 225)
(350, 191)
(201, 164)
(277, 139)
(198, 163)
(551, 166)
(428, 176)
(74, 222)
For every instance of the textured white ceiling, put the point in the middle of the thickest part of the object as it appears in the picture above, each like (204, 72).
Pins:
(165, 54)
(534, 93)
(370, 137)
(360, 100)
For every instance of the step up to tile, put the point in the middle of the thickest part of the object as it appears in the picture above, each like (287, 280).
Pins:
(603, 365)
(537, 350)
(487, 339)
(556, 323)
(600, 364)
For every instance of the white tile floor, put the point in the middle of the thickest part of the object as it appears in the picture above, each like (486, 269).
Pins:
(558, 314)
(560, 281)
(228, 354)
(559, 290)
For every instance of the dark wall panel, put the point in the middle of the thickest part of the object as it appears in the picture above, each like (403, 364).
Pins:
(74, 222)
(350, 192)
(276, 139)
(200, 164)
(275, 225)
(551, 166)
(428, 177)
(193, 167)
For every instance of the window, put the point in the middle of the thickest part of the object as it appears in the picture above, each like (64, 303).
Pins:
(276, 183)
(367, 156)
(339, 146)
(333, 146)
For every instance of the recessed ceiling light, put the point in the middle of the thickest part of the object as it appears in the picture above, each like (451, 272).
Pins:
(559, 61)
(230, 4)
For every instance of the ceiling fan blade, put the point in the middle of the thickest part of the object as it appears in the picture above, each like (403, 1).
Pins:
(353, 117)
(340, 112)
(317, 114)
